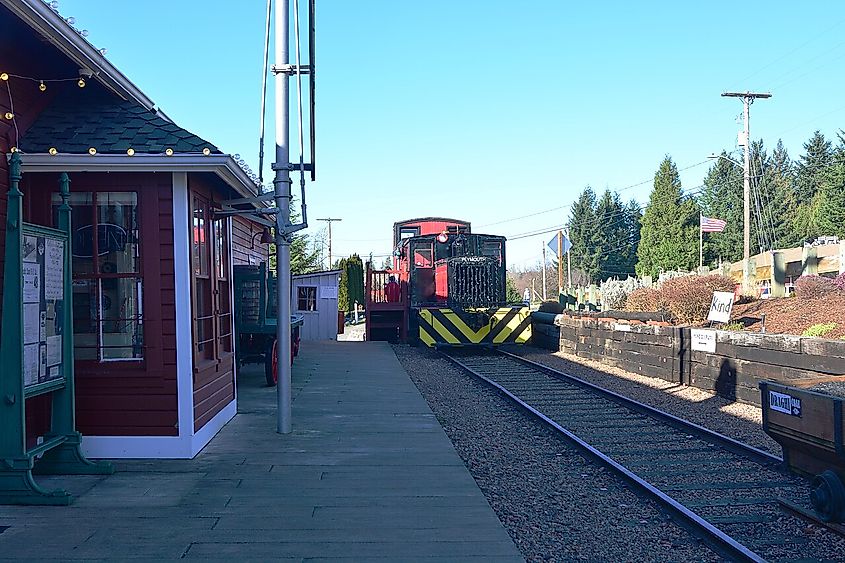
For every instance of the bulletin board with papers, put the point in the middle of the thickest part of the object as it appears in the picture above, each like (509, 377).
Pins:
(42, 273)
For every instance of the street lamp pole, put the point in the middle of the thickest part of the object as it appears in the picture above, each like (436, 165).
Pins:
(747, 99)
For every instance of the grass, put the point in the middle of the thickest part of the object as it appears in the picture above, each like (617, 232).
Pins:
(820, 329)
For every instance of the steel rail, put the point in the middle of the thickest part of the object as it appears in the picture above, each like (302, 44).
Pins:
(729, 443)
(720, 541)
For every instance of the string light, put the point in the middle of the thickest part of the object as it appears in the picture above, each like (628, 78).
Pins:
(81, 82)
(92, 151)
(130, 151)
(168, 152)
(9, 115)
(53, 151)
(206, 151)
(4, 76)
(13, 149)
(42, 86)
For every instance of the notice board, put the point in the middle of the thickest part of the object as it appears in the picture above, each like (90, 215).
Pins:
(42, 272)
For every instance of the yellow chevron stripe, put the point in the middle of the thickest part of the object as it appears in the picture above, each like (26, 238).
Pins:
(512, 325)
(472, 335)
(425, 337)
(439, 328)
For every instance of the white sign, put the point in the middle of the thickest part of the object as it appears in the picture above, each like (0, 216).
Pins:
(54, 270)
(720, 307)
(703, 340)
(31, 283)
(784, 403)
(328, 292)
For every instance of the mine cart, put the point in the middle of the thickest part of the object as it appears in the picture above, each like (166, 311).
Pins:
(806, 419)
(255, 319)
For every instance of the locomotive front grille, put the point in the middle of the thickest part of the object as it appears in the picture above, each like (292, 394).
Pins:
(475, 281)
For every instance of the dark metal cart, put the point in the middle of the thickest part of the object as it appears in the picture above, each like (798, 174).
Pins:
(256, 319)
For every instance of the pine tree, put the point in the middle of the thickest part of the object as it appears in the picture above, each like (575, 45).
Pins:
(669, 235)
(779, 178)
(810, 175)
(613, 248)
(583, 234)
(829, 208)
(634, 218)
(721, 198)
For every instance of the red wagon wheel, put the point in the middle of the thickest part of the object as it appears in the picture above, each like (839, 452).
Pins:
(271, 363)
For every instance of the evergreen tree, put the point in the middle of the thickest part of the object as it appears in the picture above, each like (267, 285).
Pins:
(669, 235)
(810, 175)
(829, 207)
(613, 248)
(779, 178)
(633, 217)
(721, 198)
(583, 234)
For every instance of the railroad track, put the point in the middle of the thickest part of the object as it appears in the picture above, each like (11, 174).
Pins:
(730, 494)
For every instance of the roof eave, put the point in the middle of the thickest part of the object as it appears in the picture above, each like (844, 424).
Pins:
(221, 164)
(40, 17)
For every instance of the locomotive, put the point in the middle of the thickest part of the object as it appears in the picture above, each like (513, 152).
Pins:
(446, 288)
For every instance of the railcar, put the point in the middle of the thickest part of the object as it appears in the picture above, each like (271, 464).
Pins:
(446, 288)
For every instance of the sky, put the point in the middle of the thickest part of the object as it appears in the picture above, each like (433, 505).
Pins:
(492, 111)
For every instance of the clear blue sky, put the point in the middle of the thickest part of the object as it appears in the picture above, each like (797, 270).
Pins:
(489, 110)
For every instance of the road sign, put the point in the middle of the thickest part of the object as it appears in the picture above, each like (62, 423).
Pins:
(564, 247)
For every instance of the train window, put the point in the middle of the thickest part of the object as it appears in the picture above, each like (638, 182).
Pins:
(492, 248)
(423, 256)
(408, 232)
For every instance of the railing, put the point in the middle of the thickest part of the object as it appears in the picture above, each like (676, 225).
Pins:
(377, 281)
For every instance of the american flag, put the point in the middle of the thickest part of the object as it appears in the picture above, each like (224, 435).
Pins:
(709, 225)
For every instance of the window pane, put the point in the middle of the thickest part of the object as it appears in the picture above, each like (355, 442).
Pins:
(117, 232)
(422, 256)
(121, 321)
(200, 240)
(85, 313)
(81, 217)
(221, 247)
(204, 320)
(306, 298)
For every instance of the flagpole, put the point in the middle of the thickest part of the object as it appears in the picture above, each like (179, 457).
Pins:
(700, 242)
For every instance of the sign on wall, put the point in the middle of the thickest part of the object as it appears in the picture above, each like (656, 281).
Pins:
(721, 306)
(42, 273)
(703, 340)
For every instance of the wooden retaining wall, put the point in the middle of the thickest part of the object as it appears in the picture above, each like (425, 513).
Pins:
(734, 370)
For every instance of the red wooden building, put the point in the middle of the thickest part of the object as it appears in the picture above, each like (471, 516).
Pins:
(151, 255)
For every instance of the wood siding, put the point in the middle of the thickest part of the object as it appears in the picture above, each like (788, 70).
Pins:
(244, 250)
(214, 380)
(129, 398)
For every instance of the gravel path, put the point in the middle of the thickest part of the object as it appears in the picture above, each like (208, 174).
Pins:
(556, 505)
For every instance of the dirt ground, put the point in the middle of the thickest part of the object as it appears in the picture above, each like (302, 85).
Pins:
(792, 315)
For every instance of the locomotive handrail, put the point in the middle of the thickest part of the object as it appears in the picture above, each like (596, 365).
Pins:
(377, 296)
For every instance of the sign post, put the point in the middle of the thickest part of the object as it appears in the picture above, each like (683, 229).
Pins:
(37, 352)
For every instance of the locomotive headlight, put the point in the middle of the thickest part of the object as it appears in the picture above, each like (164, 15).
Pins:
(442, 238)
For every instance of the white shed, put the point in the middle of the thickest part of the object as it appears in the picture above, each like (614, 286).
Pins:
(315, 297)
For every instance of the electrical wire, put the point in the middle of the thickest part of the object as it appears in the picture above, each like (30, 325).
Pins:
(264, 96)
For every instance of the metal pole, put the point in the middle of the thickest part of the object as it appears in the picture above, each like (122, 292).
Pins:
(559, 263)
(568, 264)
(544, 271)
(700, 242)
(282, 185)
(330, 221)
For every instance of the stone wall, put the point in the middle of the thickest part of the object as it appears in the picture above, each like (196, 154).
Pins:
(741, 360)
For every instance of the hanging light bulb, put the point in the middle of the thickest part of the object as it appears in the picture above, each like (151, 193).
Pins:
(71, 20)
(4, 76)
(9, 115)
(42, 86)
(130, 151)
(206, 151)
(92, 151)
(13, 149)
(168, 151)
(81, 82)
(53, 151)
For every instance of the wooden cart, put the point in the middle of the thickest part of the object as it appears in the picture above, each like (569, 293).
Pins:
(808, 424)
(256, 319)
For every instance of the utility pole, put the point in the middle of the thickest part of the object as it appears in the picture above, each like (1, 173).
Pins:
(330, 221)
(747, 99)
(559, 263)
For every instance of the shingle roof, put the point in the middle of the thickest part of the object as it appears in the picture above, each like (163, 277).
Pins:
(79, 119)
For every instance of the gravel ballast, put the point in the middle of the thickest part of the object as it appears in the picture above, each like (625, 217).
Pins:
(556, 505)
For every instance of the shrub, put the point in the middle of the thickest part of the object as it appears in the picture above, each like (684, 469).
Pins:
(550, 307)
(820, 329)
(839, 281)
(644, 300)
(733, 326)
(614, 293)
(689, 298)
(813, 287)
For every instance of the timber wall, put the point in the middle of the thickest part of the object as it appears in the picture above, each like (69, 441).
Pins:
(734, 370)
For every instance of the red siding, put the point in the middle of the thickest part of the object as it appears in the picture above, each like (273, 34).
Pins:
(130, 398)
(247, 247)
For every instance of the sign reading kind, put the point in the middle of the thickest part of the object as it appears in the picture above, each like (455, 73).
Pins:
(721, 306)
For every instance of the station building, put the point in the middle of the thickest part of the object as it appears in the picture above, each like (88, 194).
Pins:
(152, 254)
